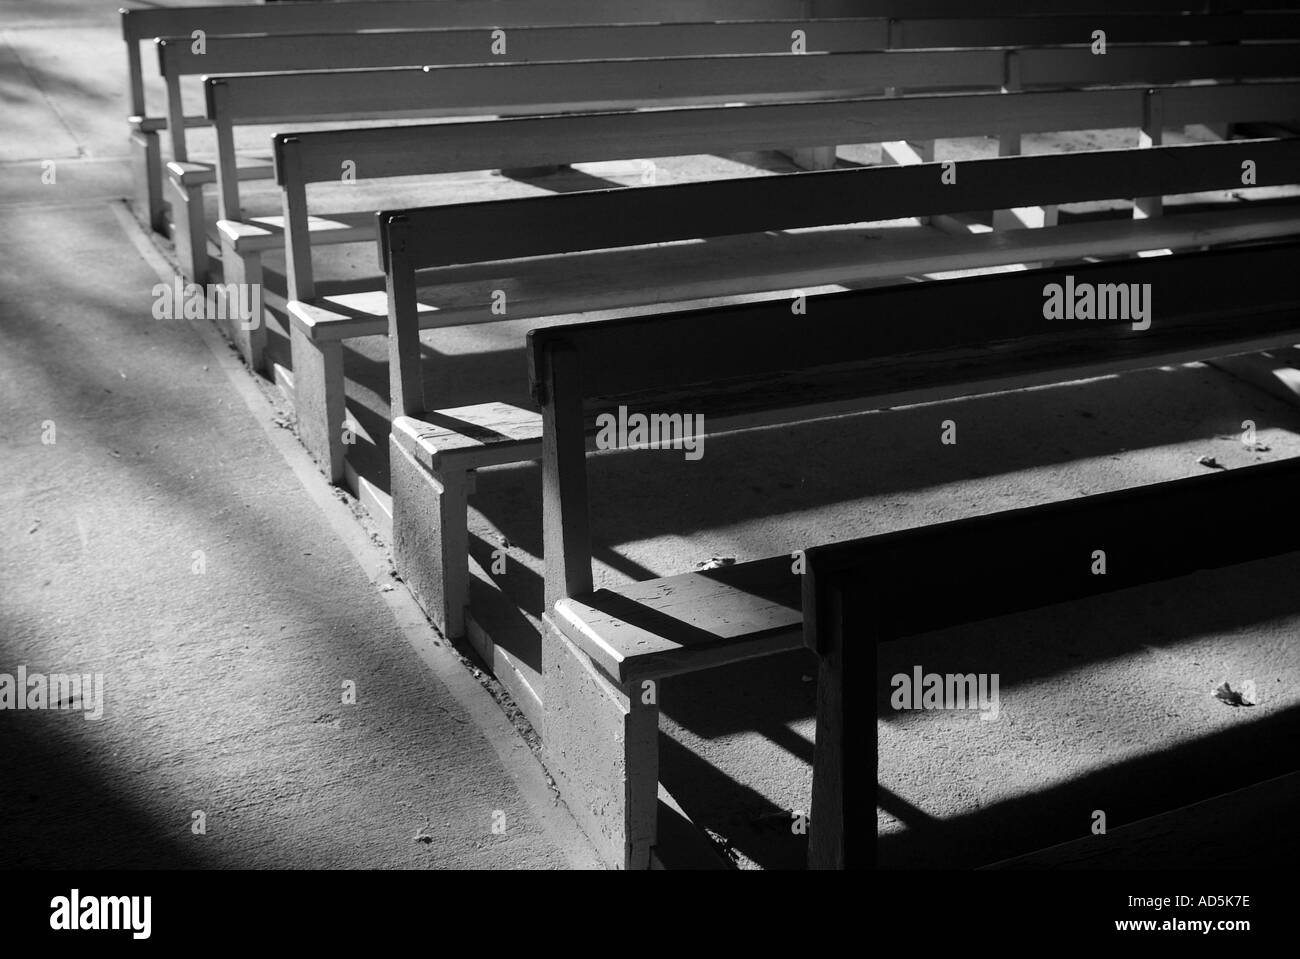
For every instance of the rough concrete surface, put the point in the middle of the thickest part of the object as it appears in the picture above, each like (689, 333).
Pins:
(153, 531)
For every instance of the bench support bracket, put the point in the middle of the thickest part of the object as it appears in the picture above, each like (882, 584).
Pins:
(146, 168)
(246, 270)
(187, 229)
(319, 392)
(602, 747)
(431, 537)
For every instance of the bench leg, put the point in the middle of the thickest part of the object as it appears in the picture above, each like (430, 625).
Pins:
(811, 158)
(826, 848)
(1151, 134)
(146, 168)
(1021, 218)
(431, 538)
(318, 395)
(246, 270)
(602, 747)
(187, 230)
(1276, 372)
(905, 153)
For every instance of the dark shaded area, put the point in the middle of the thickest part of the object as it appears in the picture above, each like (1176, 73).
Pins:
(62, 808)
(1128, 792)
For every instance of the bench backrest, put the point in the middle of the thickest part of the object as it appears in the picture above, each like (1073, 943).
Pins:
(381, 152)
(482, 231)
(864, 592)
(921, 341)
(179, 56)
(147, 23)
(963, 30)
(480, 89)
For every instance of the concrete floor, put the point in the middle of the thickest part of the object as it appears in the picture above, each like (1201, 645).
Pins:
(1107, 703)
(174, 538)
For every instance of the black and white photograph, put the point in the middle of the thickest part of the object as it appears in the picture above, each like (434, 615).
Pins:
(508, 436)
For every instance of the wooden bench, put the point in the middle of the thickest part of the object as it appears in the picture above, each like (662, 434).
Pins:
(144, 25)
(179, 57)
(604, 650)
(1002, 563)
(532, 88)
(447, 446)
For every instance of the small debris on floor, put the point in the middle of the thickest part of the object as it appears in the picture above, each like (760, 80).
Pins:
(452, 716)
(1211, 463)
(1245, 696)
(716, 562)
(722, 843)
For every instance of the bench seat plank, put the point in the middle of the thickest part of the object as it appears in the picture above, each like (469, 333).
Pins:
(486, 434)
(260, 233)
(675, 624)
(155, 124)
(617, 279)
(190, 173)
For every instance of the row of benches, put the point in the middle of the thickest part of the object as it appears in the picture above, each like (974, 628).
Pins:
(755, 364)
(452, 443)
(445, 93)
(323, 321)
(745, 368)
(588, 86)
(196, 26)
